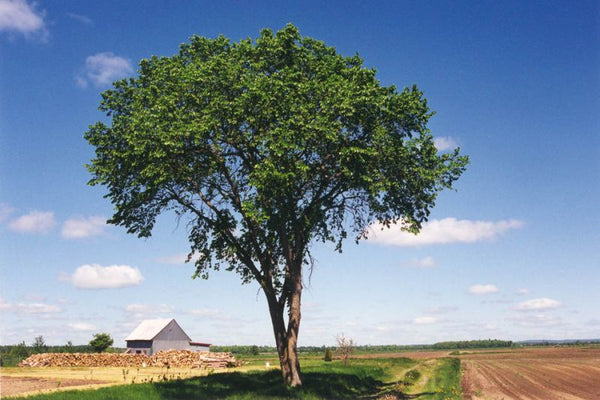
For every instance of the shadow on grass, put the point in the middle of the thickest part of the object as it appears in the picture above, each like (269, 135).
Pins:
(267, 385)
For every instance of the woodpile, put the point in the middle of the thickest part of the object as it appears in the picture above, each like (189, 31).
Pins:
(169, 358)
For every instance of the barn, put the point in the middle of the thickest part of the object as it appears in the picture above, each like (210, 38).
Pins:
(153, 335)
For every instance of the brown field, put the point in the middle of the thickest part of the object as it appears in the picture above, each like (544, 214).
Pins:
(20, 380)
(532, 374)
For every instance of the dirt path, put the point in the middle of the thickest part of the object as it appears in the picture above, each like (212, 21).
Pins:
(14, 385)
(546, 374)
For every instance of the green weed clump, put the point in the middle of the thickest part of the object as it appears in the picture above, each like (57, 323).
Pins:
(411, 377)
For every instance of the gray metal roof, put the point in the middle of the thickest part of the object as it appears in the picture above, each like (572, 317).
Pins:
(148, 329)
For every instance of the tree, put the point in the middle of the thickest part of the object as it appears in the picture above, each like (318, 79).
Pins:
(266, 146)
(39, 345)
(345, 347)
(101, 342)
(328, 356)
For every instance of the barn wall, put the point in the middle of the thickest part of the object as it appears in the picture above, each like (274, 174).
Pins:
(200, 348)
(171, 337)
(159, 345)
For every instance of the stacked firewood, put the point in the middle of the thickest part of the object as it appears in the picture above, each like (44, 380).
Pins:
(170, 358)
(187, 358)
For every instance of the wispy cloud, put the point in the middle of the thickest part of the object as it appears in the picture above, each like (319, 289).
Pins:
(34, 222)
(441, 309)
(425, 320)
(149, 308)
(81, 327)
(80, 227)
(444, 231)
(5, 211)
(523, 291)
(94, 276)
(18, 16)
(480, 289)
(103, 68)
(425, 262)
(29, 308)
(535, 320)
(543, 303)
(444, 143)
(81, 18)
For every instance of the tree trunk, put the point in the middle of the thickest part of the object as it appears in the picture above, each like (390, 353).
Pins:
(287, 339)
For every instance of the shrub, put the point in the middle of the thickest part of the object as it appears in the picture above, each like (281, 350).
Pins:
(328, 356)
(411, 377)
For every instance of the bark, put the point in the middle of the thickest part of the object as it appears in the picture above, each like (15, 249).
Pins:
(286, 339)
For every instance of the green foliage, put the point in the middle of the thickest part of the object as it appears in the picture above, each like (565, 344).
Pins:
(243, 350)
(411, 377)
(13, 355)
(266, 145)
(39, 345)
(328, 356)
(472, 344)
(101, 342)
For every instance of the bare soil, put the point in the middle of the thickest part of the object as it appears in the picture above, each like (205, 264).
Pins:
(532, 374)
(13, 385)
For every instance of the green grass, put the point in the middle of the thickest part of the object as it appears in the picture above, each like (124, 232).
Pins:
(322, 380)
(444, 383)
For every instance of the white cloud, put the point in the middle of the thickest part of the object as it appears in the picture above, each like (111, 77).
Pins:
(81, 327)
(36, 308)
(443, 143)
(444, 231)
(538, 304)
(103, 68)
(536, 320)
(426, 262)
(22, 17)
(483, 289)
(5, 211)
(4, 305)
(94, 276)
(34, 222)
(148, 308)
(204, 312)
(81, 18)
(523, 291)
(441, 309)
(424, 320)
(79, 227)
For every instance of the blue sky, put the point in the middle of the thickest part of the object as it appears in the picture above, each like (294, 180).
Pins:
(511, 254)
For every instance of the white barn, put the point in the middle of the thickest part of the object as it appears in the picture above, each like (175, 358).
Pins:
(153, 335)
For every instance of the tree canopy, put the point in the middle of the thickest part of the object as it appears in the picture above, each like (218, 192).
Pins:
(101, 342)
(265, 146)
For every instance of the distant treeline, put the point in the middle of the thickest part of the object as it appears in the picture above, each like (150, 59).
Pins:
(13, 354)
(367, 349)
(472, 344)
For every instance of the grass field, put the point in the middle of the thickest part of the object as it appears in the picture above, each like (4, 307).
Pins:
(385, 378)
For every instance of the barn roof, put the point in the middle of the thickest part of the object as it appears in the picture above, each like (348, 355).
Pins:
(148, 329)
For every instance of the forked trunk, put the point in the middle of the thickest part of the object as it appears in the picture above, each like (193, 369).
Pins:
(287, 339)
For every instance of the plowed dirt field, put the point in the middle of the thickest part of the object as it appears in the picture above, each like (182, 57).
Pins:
(532, 374)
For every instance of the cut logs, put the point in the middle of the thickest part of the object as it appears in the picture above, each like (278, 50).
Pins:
(169, 358)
